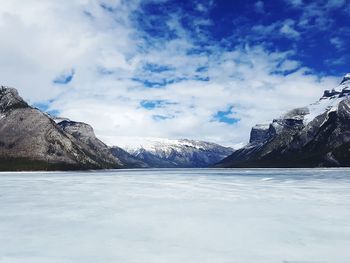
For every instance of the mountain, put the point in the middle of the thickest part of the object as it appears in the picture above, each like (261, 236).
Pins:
(127, 159)
(32, 140)
(85, 135)
(313, 136)
(165, 153)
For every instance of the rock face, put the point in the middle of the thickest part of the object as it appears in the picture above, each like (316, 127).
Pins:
(128, 160)
(165, 153)
(259, 133)
(86, 137)
(31, 140)
(313, 136)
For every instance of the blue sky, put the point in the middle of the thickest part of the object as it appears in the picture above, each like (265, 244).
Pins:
(178, 69)
(317, 32)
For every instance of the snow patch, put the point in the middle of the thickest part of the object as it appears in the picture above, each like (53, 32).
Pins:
(320, 107)
(262, 126)
(328, 103)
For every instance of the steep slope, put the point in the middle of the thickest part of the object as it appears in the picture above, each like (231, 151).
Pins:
(316, 135)
(128, 160)
(165, 153)
(86, 138)
(31, 140)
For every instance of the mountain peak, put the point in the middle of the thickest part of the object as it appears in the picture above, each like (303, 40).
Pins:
(343, 90)
(10, 99)
(346, 78)
(311, 136)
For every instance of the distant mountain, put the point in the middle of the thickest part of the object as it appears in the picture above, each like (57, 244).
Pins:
(128, 160)
(165, 153)
(32, 140)
(311, 136)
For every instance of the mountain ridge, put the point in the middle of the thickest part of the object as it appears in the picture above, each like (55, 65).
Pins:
(311, 136)
(177, 153)
(32, 140)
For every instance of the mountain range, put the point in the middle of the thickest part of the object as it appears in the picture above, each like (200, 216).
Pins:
(165, 153)
(33, 140)
(317, 135)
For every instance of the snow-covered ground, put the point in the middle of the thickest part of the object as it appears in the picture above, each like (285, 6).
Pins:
(161, 216)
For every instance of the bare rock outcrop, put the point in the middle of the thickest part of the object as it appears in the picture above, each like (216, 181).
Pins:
(31, 140)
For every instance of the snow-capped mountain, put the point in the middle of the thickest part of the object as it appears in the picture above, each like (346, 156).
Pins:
(315, 135)
(168, 153)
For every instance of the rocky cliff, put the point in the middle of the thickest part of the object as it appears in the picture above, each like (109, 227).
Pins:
(31, 140)
(311, 136)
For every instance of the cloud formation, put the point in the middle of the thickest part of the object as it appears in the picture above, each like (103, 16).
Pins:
(152, 69)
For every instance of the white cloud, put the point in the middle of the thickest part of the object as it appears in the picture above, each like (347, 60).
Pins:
(335, 3)
(282, 28)
(42, 39)
(337, 42)
(288, 29)
(295, 3)
(259, 7)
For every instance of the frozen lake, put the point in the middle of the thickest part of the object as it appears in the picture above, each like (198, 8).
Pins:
(177, 216)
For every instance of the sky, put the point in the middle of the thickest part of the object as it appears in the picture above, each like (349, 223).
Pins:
(206, 70)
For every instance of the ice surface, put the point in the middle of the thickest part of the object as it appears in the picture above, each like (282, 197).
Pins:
(177, 216)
